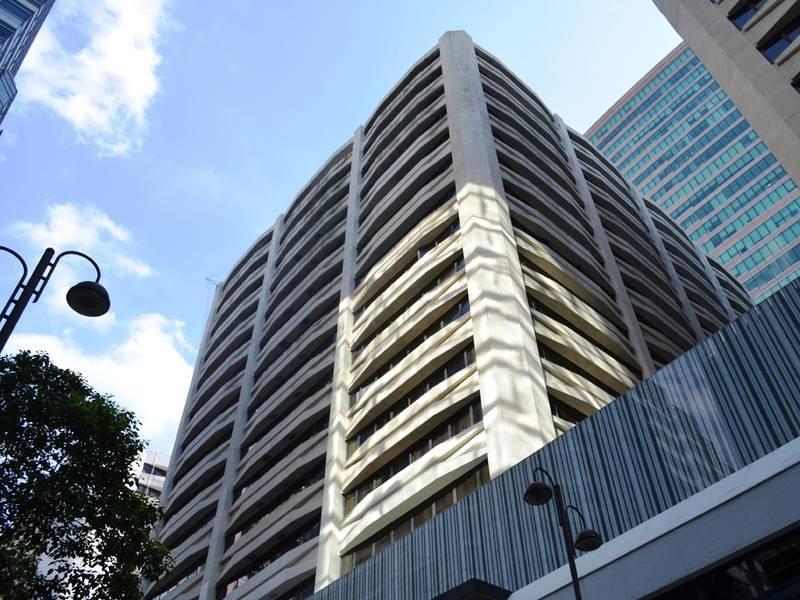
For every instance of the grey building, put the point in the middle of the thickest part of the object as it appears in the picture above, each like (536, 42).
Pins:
(461, 283)
(20, 21)
(751, 49)
(679, 138)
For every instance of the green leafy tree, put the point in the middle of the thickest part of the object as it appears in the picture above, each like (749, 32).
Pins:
(71, 523)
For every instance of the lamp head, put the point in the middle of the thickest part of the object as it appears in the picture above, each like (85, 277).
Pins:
(588, 540)
(89, 299)
(538, 493)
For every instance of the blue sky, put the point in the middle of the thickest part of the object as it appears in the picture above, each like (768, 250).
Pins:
(162, 137)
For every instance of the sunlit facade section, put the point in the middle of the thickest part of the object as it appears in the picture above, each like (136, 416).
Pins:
(462, 282)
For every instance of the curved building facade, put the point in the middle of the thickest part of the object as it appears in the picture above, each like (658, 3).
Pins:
(462, 281)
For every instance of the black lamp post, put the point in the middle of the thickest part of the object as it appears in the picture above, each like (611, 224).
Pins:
(539, 493)
(87, 298)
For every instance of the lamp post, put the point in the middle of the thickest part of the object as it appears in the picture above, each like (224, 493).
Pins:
(87, 298)
(539, 493)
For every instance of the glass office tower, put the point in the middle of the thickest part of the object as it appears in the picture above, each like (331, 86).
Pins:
(20, 21)
(679, 138)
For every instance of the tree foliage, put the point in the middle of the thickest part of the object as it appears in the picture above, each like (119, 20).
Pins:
(71, 522)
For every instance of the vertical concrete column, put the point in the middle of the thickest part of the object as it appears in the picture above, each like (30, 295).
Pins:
(714, 279)
(329, 564)
(216, 546)
(516, 412)
(201, 352)
(635, 336)
(666, 260)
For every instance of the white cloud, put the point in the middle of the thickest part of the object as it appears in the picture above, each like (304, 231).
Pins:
(146, 372)
(105, 87)
(88, 229)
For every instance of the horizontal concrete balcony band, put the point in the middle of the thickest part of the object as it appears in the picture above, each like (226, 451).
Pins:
(310, 371)
(243, 297)
(195, 544)
(412, 182)
(520, 94)
(583, 317)
(549, 262)
(315, 225)
(660, 344)
(324, 301)
(196, 479)
(410, 425)
(419, 481)
(317, 338)
(527, 129)
(292, 272)
(421, 147)
(403, 254)
(189, 516)
(528, 221)
(295, 509)
(227, 351)
(218, 403)
(278, 344)
(241, 313)
(336, 169)
(238, 336)
(272, 483)
(244, 280)
(207, 439)
(257, 251)
(526, 199)
(417, 118)
(222, 337)
(305, 295)
(665, 318)
(413, 369)
(583, 353)
(531, 166)
(528, 189)
(397, 147)
(185, 590)
(407, 326)
(385, 305)
(417, 79)
(214, 378)
(283, 574)
(299, 424)
(573, 389)
(702, 300)
(437, 192)
(307, 410)
(304, 287)
(639, 282)
(639, 261)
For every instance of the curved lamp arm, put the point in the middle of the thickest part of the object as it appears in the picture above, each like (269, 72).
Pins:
(21, 282)
(545, 473)
(46, 277)
(576, 510)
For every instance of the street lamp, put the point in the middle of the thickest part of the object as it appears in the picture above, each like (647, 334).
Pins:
(87, 298)
(539, 493)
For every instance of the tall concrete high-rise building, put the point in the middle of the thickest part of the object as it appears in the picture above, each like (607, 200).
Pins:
(461, 282)
(751, 49)
(20, 21)
(682, 141)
